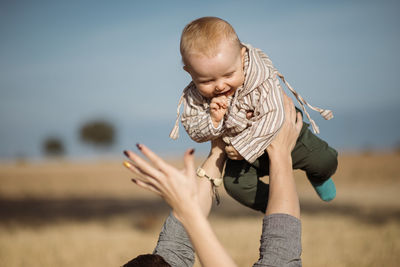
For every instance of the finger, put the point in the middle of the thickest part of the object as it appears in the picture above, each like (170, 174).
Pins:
(188, 160)
(232, 157)
(229, 147)
(146, 186)
(224, 101)
(154, 158)
(289, 107)
(235, 157)
(217, 99)
(230, 152)
(299, 122)
(293, 113)
(133, 169)
(283, 92)
(143, 165)
(221, 99)
(140, 175)
(214, 106)
(219, 104)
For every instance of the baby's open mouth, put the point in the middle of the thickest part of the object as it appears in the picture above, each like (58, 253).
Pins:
(227, 93)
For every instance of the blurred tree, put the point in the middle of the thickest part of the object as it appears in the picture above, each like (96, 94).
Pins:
(98, 133)
(53, 146)
(397, 148)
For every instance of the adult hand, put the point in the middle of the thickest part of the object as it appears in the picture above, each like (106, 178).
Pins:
(283, 196)
(179, 190)
(285, 140)
(177, 187)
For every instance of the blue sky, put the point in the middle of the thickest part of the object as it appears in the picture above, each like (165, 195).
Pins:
(63, 63)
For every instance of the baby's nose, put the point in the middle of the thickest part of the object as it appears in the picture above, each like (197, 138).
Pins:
(220, 87)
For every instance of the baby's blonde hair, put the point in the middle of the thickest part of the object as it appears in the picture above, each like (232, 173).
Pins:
(204, 36)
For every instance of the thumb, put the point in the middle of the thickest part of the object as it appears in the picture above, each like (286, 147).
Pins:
(188, 160)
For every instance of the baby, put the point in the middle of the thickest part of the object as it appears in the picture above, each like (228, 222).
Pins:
(235, 95)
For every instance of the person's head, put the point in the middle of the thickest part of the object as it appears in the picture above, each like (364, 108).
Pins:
(213, 56)
(147, 260)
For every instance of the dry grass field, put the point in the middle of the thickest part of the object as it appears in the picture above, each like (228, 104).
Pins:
(90, 214)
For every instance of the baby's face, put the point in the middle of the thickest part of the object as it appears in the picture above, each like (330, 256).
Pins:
(217, 75)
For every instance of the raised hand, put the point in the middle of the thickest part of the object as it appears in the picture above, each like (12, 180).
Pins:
(177, 187)
(285, 140)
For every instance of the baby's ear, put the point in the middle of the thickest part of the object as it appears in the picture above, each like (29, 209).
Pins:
(242, 53)
(243, 50)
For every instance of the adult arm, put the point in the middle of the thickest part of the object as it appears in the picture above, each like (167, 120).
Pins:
(283, 196)
(281, 236)
(174, 244)
(180, 191)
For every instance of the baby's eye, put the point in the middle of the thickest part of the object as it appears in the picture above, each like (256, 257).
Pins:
(206, 82)
(230, 74)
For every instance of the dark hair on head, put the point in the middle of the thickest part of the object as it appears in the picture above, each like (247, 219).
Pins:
(147, 260)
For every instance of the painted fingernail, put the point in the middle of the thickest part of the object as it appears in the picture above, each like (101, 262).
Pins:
(127, 164)
(126, 153)
(139, 146)
(191, 151)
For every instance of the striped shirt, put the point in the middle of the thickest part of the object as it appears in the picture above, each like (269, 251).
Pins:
(260, 93)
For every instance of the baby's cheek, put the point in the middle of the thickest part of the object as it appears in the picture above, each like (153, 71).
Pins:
(239, 82)
(204, 92)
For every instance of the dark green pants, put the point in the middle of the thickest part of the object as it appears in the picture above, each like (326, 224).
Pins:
(311, 154)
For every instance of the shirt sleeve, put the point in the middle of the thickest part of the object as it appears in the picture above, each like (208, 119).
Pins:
(174, 244)
(280, 243)
(268, 118)
(196, 117)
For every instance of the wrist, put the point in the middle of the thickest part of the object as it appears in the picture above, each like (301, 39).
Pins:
(189, 215)
(216, 123)
(279, 156)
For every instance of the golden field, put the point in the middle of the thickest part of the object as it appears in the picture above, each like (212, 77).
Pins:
(89, 214)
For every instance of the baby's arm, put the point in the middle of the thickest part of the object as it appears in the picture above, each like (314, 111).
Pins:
(213, 166)
(197, 119)
(230, 151)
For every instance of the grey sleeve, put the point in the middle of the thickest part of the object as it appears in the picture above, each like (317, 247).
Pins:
(174, 244)
(280, 241)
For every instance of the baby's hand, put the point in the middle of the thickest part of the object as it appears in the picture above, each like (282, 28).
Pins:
(249, 114)
(232, 153)
(218, 107)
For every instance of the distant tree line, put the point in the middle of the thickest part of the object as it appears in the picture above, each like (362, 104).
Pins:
(99, 133)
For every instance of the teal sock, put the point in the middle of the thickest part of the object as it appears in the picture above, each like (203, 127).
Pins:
(325, 190)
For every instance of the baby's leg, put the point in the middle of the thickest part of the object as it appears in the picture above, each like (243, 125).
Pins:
(241, 181)
(318, 160)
